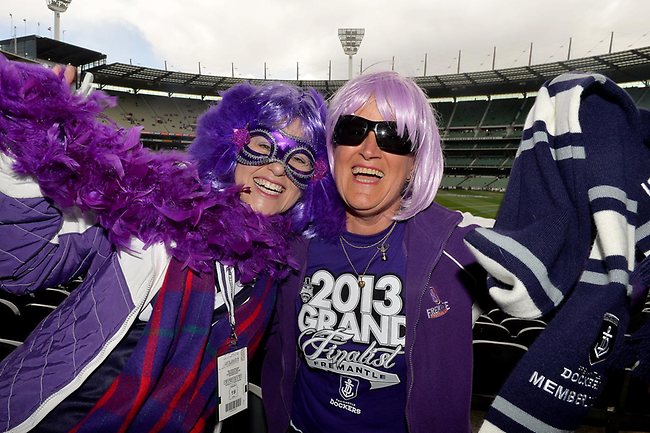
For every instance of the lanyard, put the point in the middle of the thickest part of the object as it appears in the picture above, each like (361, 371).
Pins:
(228, 287)
(232, 368)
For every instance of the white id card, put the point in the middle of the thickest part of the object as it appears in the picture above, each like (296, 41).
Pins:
(232, 386)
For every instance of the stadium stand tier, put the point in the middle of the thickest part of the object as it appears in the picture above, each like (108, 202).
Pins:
(480, 126)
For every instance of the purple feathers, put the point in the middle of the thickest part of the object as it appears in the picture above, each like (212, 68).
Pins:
(57, 137)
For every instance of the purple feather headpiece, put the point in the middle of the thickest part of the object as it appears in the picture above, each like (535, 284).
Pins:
(81, 158)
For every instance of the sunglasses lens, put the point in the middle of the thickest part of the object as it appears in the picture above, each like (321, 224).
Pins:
(350, 130)
(392, 142)
(389, 140)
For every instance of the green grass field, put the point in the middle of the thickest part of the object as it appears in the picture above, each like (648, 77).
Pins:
(479, 203)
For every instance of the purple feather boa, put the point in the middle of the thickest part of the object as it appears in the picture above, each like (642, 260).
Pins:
(59, 139)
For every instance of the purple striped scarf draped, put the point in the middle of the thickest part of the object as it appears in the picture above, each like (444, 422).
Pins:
(169, 382)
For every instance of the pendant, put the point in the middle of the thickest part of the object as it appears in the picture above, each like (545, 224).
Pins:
(361, 283)
(383, 249)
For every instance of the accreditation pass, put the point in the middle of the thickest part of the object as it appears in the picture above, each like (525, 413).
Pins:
(232, 386)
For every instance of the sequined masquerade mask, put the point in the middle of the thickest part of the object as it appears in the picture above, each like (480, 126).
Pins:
(261, 146)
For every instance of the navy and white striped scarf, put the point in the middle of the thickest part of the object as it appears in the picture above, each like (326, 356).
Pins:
(567, 237)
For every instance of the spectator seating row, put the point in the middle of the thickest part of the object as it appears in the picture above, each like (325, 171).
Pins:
(471, 182)
(155, 113)
(481, 115)
(19, 315)
(499, 343)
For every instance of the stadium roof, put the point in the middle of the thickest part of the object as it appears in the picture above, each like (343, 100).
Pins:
(41, 48)
(12, 56)
(622, 67)
(142, 78)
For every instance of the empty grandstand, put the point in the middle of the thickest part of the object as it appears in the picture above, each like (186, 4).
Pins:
(481, 114)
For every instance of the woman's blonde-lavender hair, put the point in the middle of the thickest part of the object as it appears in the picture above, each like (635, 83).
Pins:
(398, 98)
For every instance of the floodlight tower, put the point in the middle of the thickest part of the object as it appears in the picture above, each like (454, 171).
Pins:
(58, 7)
(350, 41)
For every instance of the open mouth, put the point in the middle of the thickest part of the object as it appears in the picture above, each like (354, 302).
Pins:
(368, 175)
(268, 187)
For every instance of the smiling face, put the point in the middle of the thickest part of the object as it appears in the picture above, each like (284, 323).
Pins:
(370, 180)
(271, 191)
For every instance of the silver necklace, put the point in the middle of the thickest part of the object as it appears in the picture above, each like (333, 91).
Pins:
(359, 276)
(382, 247)
(381, 244)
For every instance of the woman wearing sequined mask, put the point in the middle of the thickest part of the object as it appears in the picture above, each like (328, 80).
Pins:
(375, 333)
(179, 253)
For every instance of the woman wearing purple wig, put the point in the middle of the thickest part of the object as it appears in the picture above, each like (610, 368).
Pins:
(179, 253)
(375, 332)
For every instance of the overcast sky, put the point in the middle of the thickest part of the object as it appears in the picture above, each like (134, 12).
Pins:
(301, 35)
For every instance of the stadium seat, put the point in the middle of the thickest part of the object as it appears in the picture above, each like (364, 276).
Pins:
(491, 332)
(484, 318)
(502, 112)
(71, 285)
(493, 362)
(7, 346)
(516, 324)
(497, 315)
(250, 420)
(501, 183)
(444, 110)
(635, 404)
(527, 336)
(32, 314)
(51, 296)
(157, 114)
(7, 307)
(468, 113)
(18, 300)
(9, 321)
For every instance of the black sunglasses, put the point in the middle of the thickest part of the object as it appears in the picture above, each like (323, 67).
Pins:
(351, 130)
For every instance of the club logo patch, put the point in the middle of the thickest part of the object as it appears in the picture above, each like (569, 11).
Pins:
(348, 387)
(605, 339)
(441, 307)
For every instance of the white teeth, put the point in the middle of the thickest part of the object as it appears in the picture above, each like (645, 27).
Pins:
(269, 187)
(367, 172)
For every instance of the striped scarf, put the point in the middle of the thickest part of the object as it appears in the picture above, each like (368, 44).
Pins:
(576, 209)
(169, 382)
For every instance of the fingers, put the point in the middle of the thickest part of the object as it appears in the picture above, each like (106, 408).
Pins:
(69, 72)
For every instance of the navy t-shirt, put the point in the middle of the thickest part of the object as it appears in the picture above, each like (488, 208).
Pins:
(351, 374)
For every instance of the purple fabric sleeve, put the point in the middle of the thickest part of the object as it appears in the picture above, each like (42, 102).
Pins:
(32, 256)
(34, 253)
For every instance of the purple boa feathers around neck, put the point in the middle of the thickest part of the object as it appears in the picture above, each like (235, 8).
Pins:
(80, 158)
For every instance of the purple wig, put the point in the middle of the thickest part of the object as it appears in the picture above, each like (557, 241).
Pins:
(271, 106)
(400, 99)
